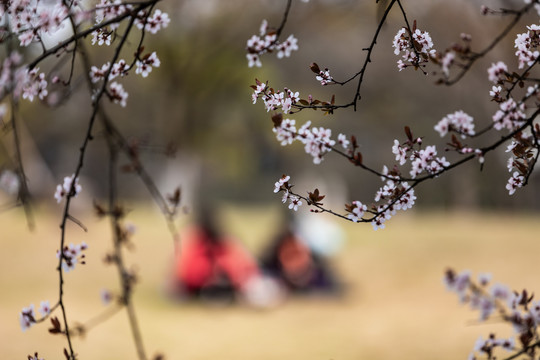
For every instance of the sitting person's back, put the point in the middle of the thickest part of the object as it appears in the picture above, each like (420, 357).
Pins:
(290, 259)
(212, 266)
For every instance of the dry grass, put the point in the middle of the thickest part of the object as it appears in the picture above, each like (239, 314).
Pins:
(396, 306)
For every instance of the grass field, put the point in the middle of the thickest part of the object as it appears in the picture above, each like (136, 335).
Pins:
(396, 305)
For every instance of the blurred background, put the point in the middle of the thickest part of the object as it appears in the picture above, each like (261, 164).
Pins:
(198, 101)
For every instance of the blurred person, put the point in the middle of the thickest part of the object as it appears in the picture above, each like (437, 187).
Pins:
(217, 269)
(290, 259)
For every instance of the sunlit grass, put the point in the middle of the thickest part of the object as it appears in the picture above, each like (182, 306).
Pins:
(395, 306)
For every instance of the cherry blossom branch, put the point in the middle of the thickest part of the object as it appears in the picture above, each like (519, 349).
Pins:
(397, 193)
(116, 141)
(24, 193)
(72, 192)
(284, 19)
(521, 77)
(34, 84)
(99, 319)
(268, 41)
(126, 279)
(411, 32)
(516, 308)
(81, 34)
(525, 350)
(369, 50)
(330, 107)
(168, 211)
(473, 57)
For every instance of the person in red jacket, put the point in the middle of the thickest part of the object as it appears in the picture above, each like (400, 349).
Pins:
(212, 266)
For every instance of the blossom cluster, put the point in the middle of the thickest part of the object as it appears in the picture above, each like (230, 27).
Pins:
(72, 255)
(120, 68)
(154, 23)
(417, 47)
(527, 46)
(395, 195)
(317, 141)
(144, 66)
(283, 185)
(274, 99)
(31, 20)
(27, 316)
(456, 54)
(70, 184)
(116, 91)
(108, 10)
(267, 41)
(447, 61)
(497, 72)
(459, 121)
(523, 150)
(516, 308)
(398, 194)
(117, 94)
(22, 82)
(324, 77)
(421, 159)
(510, 115)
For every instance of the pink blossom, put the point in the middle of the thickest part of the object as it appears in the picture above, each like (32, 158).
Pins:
(400, 152)
(109, 9)
(405, 201)
(106, 296)
(156, 22)
(484, 278)
(343, 141)
(404, 44)
(500, 291)
(64, 189)
(458, 121)
(284, 49)
(324, 77)
(96, 74)
(497, 72)
(317, 141)
(102, 37)
(72, 255)
(515, 182)
(27, 317)
(525, 44)
(378, 223)
(118, 94)
(144, 66)
(294, 202)
(447, 61)
(357, 212)
(286, 132)
(509, 116)
(282, 183)
(30, 84)
(44, 308)
(267, 41)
